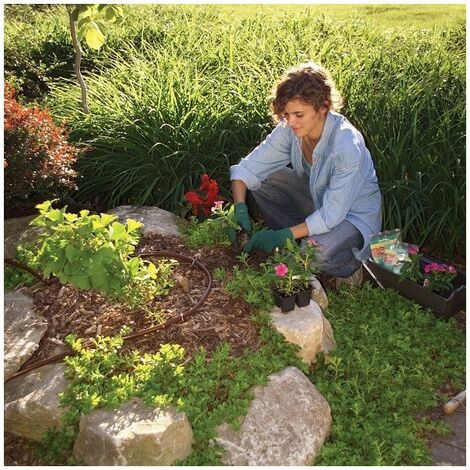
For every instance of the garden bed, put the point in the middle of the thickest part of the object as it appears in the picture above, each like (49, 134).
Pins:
(220, 319)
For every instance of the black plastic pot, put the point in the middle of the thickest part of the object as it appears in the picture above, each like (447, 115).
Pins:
(303, 297)
(442, 306)
(285, 302)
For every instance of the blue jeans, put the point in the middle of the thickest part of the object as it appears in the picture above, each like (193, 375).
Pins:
(284, 200)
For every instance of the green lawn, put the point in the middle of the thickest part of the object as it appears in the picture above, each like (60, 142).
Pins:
(385, 16)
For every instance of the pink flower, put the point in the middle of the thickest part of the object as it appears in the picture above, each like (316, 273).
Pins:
(433, 267)
(451, 269)
(312, 242)
(413, 250)
(281, 270)
(217, 205)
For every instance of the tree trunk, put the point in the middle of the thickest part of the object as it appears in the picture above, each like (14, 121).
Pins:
(78, 59)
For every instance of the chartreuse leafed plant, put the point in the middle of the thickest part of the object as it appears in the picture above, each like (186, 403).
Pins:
(210, 389)
(94, 252)
(391, 359)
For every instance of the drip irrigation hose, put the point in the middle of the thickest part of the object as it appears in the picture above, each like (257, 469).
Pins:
(173, 320)
(24, 267)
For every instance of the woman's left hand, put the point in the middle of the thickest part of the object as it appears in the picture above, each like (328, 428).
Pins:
(267, 240)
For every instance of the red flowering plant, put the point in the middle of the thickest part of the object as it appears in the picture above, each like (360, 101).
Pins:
(38, 159)
(204, 198)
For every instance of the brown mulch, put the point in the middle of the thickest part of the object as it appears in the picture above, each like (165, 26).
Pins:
(86, 313)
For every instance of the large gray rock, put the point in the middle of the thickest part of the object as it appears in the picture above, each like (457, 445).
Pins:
(155, 220)
(286, 424)
(135, 434)
(32, 401)
(14, 233)
(23, 329)
(302, 326)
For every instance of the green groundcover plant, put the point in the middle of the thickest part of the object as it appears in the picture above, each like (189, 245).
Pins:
(392, 356)
(391, 359)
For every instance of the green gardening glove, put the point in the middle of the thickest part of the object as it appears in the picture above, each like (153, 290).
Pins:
(241, 218)
(267, 240)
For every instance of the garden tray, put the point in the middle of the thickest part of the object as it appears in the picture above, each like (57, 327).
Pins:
(442, 307)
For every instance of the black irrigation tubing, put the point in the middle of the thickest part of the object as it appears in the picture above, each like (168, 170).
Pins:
(173, 320)
(24, 267)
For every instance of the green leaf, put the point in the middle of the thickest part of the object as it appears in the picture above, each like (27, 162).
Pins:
(44, 206)
(117, 231)
(102, 27)
(100, 281)
(82, 31)
(94, 37)
(72, 253)
(83, 23)
(82, 281)
(152, 270)
(54, 216)
(133, 225)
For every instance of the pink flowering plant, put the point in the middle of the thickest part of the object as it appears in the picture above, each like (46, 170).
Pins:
(291, 268)
(225, 213)
(437, 277)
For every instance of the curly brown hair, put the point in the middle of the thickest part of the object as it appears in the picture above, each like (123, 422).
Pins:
(309, 82)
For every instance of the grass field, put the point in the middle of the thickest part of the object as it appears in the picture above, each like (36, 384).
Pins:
(386, 16)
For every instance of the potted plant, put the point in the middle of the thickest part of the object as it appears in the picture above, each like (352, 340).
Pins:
(427, 281)
(291, 270)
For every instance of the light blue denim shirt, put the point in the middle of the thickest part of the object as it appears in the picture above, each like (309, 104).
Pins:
(343, 183)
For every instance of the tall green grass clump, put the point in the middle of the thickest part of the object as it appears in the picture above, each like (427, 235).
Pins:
(188, 94)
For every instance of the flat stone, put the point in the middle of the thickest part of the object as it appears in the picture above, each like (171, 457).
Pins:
(286, 424)
(134, 434)
(155, 220)
(32, 401)
(302, 326)
(23, 330)
(13, 230)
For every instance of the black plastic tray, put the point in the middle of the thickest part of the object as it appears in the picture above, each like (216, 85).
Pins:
(442, 307)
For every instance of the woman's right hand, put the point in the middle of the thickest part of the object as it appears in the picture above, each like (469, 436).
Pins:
(241, 218)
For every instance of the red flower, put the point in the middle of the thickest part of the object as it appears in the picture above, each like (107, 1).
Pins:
(202, 202)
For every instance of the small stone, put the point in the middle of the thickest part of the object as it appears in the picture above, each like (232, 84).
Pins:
(182, 281)
(23, 330)
(154, 219)
(319, 294)
(302, 326)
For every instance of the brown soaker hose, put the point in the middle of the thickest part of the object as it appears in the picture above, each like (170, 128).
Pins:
(178, 318)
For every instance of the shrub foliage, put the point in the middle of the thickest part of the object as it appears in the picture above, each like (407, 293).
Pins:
(94, 252)
(38, 160)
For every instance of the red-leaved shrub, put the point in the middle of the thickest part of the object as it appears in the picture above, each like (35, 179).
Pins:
(37, 157)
